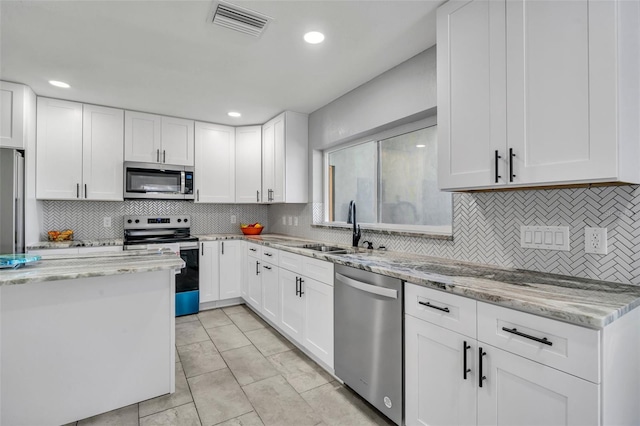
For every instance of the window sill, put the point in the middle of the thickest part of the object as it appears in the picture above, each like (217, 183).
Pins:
(388, 231)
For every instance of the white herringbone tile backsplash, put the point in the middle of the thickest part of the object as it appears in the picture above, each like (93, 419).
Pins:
(487, 230)
(86, 217)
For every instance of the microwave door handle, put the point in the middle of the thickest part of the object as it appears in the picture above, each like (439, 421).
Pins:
(183, 183)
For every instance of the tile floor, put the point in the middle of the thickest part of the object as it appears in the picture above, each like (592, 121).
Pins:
(233, 369)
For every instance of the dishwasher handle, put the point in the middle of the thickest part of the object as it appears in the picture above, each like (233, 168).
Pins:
(380, 291)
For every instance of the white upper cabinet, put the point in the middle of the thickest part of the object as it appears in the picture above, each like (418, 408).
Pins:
(528, 97)
(102, 153)
(285, 159)
(248, 164)
(153, 138)
(215, 163)
(12, 114)
(78, 151)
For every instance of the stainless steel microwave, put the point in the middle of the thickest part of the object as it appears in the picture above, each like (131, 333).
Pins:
(158, 181)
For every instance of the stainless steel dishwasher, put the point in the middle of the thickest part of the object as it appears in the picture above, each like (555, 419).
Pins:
(368, 337)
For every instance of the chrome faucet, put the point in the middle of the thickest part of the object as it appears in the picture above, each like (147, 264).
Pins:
(351, 218)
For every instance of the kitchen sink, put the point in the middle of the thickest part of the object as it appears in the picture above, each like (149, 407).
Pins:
(325, 249)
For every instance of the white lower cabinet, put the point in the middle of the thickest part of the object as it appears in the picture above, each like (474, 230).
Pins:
(317, 333)
(209, 278)
(254, 284)
(291, 305)
(220, 270)
(526, 376)
(270, 293)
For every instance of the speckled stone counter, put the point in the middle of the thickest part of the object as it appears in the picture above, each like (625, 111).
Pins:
(586, 302)
(75, 243)
(61, 267)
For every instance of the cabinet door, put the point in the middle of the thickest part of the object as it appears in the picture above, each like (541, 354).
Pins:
(177, 141)
(436, 390)
(102, 153)
(11, 115)
(270, 292)
(215, 163)
(254, 284)
(279, 160)
(318, 319)
(248, 164)
(292, 306)
(553, 48)
(142, 137)
(209, 267)
(268, 160)
(518, 391)
(59, 150)
(230, 269)
(471, 94)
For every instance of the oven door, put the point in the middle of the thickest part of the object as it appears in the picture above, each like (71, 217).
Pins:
(187, 282)
(159, 181)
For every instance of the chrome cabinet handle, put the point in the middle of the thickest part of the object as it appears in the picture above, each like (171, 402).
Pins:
(511, 155)
(257, 267)
(268, 254)
(223, 247)
(515, 331)
(297, 289)
(429, 305)
(497, 156)
(301, 281)
(252, 249)
(157, 155)
(164, 156)
(481, 378)
(465, 370)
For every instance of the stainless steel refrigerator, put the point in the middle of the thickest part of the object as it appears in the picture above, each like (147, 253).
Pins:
(11, 201)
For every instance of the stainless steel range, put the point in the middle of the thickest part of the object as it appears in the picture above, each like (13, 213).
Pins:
(173, 232)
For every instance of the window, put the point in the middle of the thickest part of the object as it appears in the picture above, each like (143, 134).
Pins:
(393, 181)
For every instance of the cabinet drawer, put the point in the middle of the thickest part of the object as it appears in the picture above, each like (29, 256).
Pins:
(452, 312)
(567, 347)
(290, 261)
(318, 270)
(253, 250)
(270, 255)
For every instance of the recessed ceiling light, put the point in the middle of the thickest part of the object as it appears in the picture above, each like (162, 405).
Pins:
(314, 37)
(234, 114)
(420, 146)
(59, 84)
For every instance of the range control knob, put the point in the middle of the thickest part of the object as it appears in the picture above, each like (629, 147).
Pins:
(179, 220)
(186, 220)
(129, 221)
(137, 220)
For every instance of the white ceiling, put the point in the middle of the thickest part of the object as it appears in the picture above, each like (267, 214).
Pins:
(165, 57)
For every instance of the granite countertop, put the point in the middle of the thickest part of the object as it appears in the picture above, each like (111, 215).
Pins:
(581, 301)
(62, 267)
(75, 243)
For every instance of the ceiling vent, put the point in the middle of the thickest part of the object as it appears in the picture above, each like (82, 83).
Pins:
(240, 19)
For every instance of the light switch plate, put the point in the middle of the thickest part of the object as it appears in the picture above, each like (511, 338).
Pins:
(106, 222)
(233, 218)
(545, 237)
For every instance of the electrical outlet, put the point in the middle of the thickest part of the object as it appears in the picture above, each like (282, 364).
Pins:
(595, 240)
(233, 218)
(295, 221)
(284, 220)
(106, 222)
(290, 220)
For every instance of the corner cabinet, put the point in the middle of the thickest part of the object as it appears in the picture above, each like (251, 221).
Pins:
(516, 110)
(151, 138)
(469, 362)
(248, 166)
(214, 163)
(79, 151)
(285, 158)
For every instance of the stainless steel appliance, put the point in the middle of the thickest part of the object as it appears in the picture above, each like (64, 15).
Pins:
(11, 201)
(173, 232)
(368, 337)
(151, 180)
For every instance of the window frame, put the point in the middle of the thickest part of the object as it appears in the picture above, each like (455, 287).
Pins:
(438, 231)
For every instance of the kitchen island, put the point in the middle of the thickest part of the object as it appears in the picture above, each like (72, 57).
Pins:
(85, 334)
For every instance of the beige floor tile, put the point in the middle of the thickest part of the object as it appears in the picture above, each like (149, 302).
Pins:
(338, 406)
(126, 416)
(268, 341)
(190, 332)
(299, 370)
(213, 318)
(181, 396)
(218, 397)
(277, 403)
(247, 321)
(201, 357)
(186, 318)
(184, 415)
(249, 419)
(235, 309)
(248, 365)
(228, 337)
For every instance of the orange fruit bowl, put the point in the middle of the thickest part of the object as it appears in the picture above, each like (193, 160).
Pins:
(252, 230)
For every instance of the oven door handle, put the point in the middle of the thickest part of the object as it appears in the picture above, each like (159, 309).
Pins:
(368, 288)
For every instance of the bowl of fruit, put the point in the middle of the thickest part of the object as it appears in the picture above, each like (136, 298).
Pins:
(251, 228)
